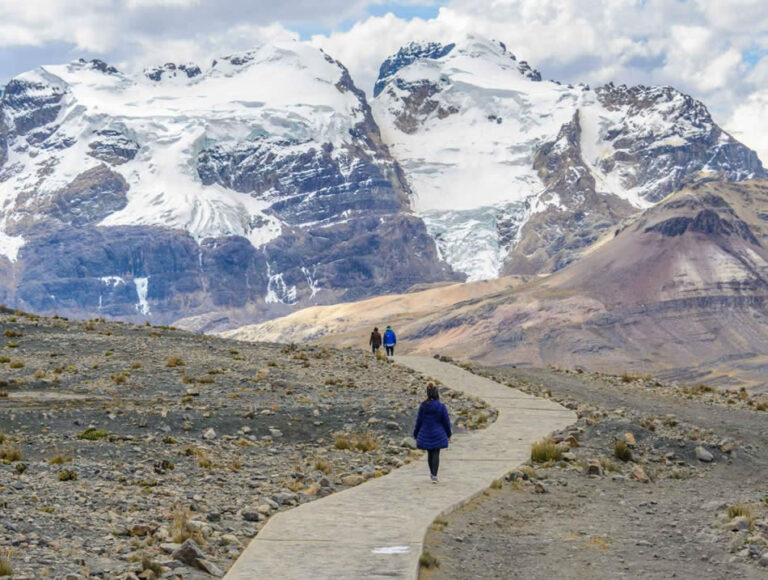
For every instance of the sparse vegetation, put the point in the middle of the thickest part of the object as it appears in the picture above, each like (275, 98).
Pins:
(174, 361)
(742, 510)
(92, 434)
(181, 530)
(323, 465)
(67, 475)
(6, 557)
(545, 450)
(16, 364)
(361, 440)
(428, 561)
(622, 451)
(10, 452)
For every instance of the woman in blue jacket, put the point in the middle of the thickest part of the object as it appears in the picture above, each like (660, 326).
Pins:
(433, 428)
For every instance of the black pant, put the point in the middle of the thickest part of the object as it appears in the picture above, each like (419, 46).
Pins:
(433, 459)
(390, 350)
(374, 348)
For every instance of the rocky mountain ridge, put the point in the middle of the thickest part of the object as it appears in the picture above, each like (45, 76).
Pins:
(514, 175)
(188, 192)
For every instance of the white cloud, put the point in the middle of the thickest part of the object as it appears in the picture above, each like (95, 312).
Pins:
(749, 123)
(694, 45)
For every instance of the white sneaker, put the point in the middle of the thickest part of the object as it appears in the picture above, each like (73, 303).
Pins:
(434, 478)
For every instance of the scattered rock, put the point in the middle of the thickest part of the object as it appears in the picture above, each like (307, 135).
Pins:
(703, 455)
(209, 567)
(189, 552)
(639, 474)
(209, 434)
(593, 467)
(352, 480)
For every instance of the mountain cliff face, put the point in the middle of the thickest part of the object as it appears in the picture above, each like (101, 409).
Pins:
(515, 175)
(260, 181)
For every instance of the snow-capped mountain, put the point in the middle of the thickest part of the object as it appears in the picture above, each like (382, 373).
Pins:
(260, 179)
(513, 174)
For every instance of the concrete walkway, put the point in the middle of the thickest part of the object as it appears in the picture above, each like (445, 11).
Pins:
(377, 529)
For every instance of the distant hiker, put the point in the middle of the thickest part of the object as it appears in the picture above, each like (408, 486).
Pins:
(390, 340)
(375, 340)
(433, 429)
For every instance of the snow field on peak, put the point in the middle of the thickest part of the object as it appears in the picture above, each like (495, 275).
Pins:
(285, 90)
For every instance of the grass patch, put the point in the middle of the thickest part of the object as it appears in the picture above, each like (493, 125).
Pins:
(362, 441)
(181, 530)
(742, 510)
(545, 450)
(59, 459)
(6, 556)
(17, 364)
(497, 484)
(92, 434)
(174, 361)
(428, 561)
(622, 451)
(323, 465)
(10, 452)
(67, 475)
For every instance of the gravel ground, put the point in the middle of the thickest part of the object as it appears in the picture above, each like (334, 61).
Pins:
(664, 513)
(118, 442)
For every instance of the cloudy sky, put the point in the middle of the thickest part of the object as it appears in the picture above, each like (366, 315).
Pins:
(716, 50)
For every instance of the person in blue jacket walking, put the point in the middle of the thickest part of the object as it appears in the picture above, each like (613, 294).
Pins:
(433, 428)
(390, 340)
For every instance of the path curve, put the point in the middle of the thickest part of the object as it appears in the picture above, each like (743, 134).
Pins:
(377, 529)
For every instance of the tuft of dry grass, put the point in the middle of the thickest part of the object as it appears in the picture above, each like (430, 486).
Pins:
(361, 440)
(545, 450)
(6, 556)
(67, 475)
(323, 465)
(742, 510)
(10, 452)
(181, 530)
(428, 561)
(174, 361)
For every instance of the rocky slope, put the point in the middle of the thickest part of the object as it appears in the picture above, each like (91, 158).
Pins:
(258, 180)
(515, 175)
(680, 291)
(118, 442)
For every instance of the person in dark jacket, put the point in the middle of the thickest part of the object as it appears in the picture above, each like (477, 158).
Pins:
(390, 340)
(433, 429)
(375, 340)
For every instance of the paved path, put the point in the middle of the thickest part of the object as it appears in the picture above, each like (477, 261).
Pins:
(377, 529)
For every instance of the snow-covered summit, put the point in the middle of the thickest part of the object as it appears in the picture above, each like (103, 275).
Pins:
(466, 120)
(286, 90)
(263, 168)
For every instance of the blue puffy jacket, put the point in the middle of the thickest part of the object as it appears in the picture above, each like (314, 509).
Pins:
(433, 426)
(389, 338)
